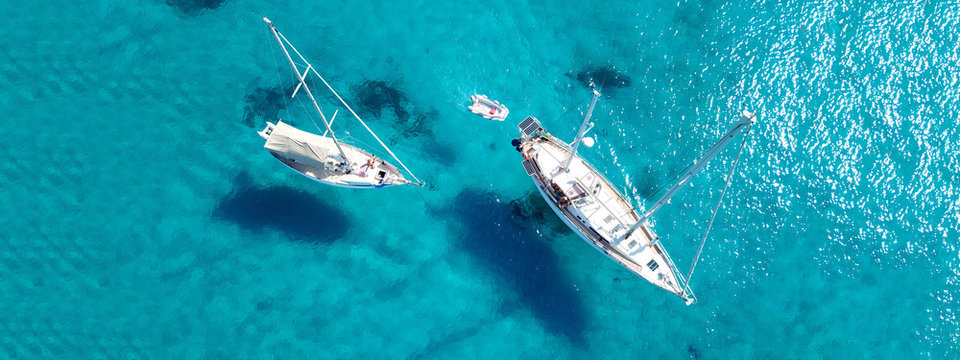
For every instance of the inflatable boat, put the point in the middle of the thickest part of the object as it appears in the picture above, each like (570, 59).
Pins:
(490, 109)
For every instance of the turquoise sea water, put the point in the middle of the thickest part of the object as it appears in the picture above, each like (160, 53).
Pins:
(143, 219)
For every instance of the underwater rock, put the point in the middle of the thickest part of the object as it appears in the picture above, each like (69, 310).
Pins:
(693, 352)
(531, 207)
(522, 207)
(264, 104)
(420, 124)
(374, 95)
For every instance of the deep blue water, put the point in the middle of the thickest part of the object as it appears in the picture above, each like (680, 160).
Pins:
(143, 219)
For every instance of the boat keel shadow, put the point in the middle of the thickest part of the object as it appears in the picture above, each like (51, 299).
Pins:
(296, 213)
(519, 257)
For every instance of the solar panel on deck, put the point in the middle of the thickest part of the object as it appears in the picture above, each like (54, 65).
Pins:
(526, 122)
(653, 265)
(529, 125)
(528, 167)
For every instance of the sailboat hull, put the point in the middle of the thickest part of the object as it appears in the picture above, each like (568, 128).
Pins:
(333, 181)
(316, 157)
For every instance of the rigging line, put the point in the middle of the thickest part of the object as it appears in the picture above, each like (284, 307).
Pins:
(283, 96)
(286, 101)
(276, 69)
(317, 126)
(313, 118)
(368, 146)
(671, 181)
(308, 113)
(306, 88)
(351, 110)
(361, 142)
(717, 207)
(573, 107)
(303, 104)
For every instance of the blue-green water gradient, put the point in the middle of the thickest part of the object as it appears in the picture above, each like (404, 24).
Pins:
(143, 219)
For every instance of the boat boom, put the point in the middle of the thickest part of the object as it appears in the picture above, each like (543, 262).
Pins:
(746, 119)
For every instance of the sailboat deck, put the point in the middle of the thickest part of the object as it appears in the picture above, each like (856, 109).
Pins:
(315, 157)
(600, 214)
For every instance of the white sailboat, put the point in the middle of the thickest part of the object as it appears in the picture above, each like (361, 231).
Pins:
(593, 208)
(324, 158)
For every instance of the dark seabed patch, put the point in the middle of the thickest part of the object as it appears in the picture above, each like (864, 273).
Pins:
(520, 258)
(606, 77)
(374, 96)
(194, 7)
(693, 352)
(296, 213)
(263, 104)
(420, 124)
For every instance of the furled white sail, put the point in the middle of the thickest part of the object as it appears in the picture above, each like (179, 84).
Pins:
(292, 143)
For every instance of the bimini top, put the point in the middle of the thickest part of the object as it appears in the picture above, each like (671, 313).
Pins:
(290, 142)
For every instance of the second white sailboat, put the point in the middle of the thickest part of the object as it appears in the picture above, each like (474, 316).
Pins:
(325, 158)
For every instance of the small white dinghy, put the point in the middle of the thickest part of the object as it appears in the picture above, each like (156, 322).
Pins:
(490, 109)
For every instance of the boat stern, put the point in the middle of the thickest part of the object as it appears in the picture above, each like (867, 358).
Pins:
(267, 130)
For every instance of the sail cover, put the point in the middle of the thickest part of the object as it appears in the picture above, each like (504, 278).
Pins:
(290, 142)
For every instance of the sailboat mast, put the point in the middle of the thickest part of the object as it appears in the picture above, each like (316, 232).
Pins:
(746, 119)
(583, 130)
(301, 77)
(385, 147)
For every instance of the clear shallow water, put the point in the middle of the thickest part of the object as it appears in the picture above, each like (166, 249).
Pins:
(143, 219)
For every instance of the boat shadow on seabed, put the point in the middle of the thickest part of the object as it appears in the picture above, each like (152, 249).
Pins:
(297, 213)
(496, 236)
